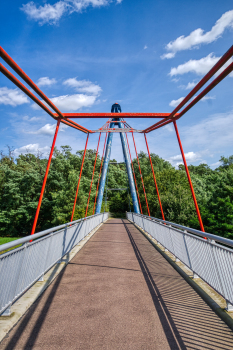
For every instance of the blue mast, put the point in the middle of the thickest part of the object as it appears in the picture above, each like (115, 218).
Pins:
(116, 109)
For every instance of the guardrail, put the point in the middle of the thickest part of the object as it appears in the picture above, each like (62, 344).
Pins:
(198, 250)
(21, 267)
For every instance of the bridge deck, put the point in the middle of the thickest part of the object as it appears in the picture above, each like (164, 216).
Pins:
(119, 293)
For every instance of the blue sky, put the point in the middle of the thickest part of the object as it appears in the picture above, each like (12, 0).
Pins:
(88, 54)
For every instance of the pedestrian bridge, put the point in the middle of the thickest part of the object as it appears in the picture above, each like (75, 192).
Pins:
(119, 291)
(132, 286)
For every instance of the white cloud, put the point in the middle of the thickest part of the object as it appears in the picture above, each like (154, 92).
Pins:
(189, 86)
(214, 132)
(47, 129)
(208, 98)
(174, 103)
(198, 36)
(45, 81)
(145, 47)
(189, 156)
(52, 13)
(47, 13)
(12, 97)
(84, 86)
(33, 119)
(32, 148)
(68, 103)
(200, 67)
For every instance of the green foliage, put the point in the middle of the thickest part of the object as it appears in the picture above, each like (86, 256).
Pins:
(21, 180)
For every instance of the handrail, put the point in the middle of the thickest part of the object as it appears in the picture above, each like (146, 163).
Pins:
(26, 239)
(222, 240)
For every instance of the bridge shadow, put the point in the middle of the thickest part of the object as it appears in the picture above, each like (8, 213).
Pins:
(188, 322)
(41, 316)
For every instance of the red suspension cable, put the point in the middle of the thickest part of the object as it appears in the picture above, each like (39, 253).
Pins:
(79, 179)
(93, 175)
(134, 175)
(45, 177)
(100, 173)
(157, 190)
(189, 178)
(141, 175)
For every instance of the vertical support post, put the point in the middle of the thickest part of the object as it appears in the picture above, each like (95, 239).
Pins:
(129, 171)
(100, 173)
(93, 173)
(104, 171)
(45, 177)
(189, 178)
(157, 190)
(79, 179)
(141, 176)
(134, 174)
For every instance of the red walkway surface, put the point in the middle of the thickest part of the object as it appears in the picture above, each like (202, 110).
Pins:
(119, 293)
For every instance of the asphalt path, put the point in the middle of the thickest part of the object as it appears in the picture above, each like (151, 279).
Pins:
(119, 292)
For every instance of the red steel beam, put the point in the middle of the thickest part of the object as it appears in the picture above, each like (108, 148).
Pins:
(189, 178)
(45, 178)
(141, 176)
(93, 173)
(97, 187)
(79, 179)
(202, 82)
(114, 115)
(22, 87)
(26, 78)
(156, 186)
(134, 175)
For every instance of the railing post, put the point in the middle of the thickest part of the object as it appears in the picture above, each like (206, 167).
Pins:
(45, 177)
(189, 178)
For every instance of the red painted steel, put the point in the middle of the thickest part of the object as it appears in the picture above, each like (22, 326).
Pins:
(141, 175)
(215, 82)
(92, 175)
(26, 78)
(45, 178)
(134, 174)
(156, 186)
(11, 77)
(113, 115)
(202, 82)
(79, 179)
(189, 178)
(97, 187)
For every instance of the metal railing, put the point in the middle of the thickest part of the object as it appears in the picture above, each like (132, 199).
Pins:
(207, 255)
(21, 267)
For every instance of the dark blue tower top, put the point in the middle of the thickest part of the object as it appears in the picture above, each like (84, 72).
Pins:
(116, 108)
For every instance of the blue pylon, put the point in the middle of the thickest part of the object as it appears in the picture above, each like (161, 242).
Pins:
(106, 164)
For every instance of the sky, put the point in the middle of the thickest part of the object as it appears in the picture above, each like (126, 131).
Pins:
(87, 54)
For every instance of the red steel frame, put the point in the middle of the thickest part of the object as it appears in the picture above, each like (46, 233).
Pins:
(45, 177)
(97, 187)
(166, 117)
(79, 179)
(156, 186)
(189, 178)
(148, 210)
(93, 174)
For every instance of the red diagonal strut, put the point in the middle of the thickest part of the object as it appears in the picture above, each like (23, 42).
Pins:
(141, 175)
(79, 179)
(45, 177)
(189, 178)
(93, 175)
(157, 190)
(99, 174)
